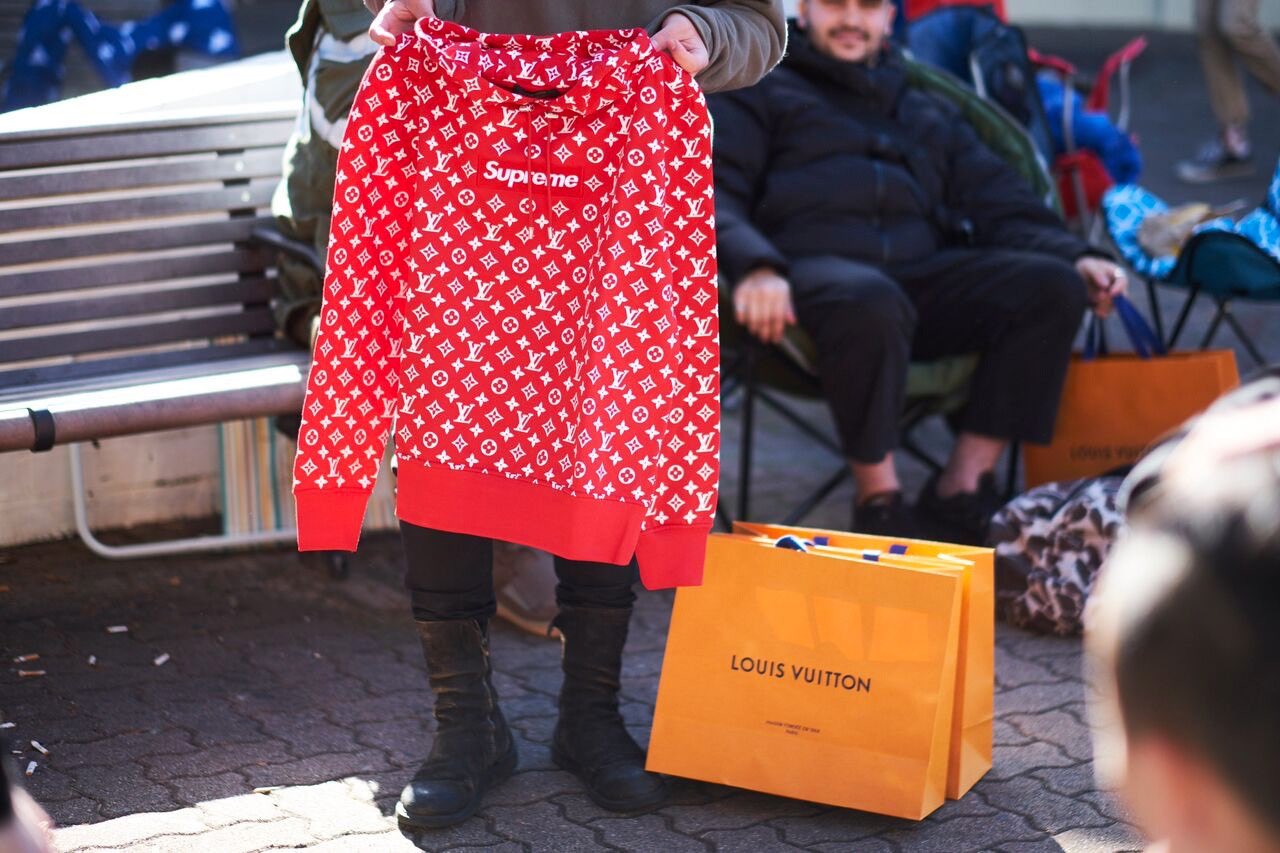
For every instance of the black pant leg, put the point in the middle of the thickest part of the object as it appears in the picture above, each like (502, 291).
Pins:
(448, 575)
(861, 323)
(1020, 311)
(584, 584)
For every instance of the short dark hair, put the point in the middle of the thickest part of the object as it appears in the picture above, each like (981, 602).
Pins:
(1199, 663)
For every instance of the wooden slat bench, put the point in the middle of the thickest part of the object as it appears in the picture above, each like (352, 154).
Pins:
(133, 296)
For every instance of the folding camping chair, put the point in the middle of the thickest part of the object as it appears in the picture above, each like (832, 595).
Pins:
(761, 372)
(991, 55)
(1214, 263)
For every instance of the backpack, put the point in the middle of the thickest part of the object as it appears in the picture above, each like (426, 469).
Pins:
(1050, 543)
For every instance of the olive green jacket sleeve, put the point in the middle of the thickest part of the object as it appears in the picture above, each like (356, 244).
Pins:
(744, 39)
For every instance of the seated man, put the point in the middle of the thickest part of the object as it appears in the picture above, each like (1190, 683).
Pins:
(873, 215)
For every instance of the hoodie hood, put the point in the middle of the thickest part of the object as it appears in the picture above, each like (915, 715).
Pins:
(580, 72)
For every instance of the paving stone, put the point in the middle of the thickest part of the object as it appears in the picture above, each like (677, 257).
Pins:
(1117, 838)
(1010, 761)
(307, 732)
(72, 812)
(384, 842)
(333, 809)
(646, 832)
(756, 839)
(962, 834)
(578, 807)
(213, 722)
(194, 790)
(380, 671)
(542, 827)
(738, 812)
(1064, 730)
(477, 832)
(316, 768)
(530, 786)
(1041, 845)
(402, 741)
(1108, 804)
(130, 830)
(219, 759)
(400, 705)
(242, 837)
(1006, 734)
(1068, 781)
(1036, 698)
(47, 784)
(245, 806)
(537, 729)
(970, 805)
(126, 746)
(1014, 671)
(843, 826)
(121, 789)
(869, 845)
(1045, 810)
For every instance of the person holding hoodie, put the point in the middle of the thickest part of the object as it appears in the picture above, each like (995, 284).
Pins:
(724, 44)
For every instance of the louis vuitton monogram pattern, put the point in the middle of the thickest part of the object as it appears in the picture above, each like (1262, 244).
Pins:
(519, 286)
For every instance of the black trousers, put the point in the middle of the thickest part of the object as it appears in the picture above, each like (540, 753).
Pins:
(1018, 310)
(450, 576)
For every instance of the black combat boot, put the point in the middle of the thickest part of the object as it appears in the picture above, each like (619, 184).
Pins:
(591, 740)
(473, 750)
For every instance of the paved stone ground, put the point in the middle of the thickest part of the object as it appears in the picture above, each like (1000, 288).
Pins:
(312, 691)
(282, 680)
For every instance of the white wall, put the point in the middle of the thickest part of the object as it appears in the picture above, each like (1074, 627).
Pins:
(1164, 14)
(154, 477)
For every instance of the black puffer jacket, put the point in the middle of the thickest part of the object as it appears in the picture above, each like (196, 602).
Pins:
(830, 157)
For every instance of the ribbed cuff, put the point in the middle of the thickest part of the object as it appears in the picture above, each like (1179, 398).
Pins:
(672, 556)
(330, 520)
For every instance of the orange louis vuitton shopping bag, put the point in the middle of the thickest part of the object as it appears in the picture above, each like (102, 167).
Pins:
(1114, 406)
(819, 676)
(971, 730)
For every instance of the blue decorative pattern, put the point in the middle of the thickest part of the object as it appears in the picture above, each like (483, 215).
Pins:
(51, 25)
(1260, 227)
(1125, 206)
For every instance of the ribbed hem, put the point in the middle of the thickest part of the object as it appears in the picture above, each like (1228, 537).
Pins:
(330, 519)
(576, 528)
(672, 556)
(497, 507)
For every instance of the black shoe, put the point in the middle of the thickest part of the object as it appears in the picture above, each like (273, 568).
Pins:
(590, 739)
(962, 518)
(884, 514)
(473, 749)
(1215, 162)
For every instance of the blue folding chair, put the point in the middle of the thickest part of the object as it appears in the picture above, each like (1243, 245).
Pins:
(1222, 261)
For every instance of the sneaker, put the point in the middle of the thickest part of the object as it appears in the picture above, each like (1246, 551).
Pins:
(1214, 162)
(962, 518)
(524, 582)
(884, 514)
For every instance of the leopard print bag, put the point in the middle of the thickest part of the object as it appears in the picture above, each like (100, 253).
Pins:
(1050, 544)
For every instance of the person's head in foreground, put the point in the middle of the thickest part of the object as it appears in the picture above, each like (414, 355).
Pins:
(1185, 640)
(849, 30)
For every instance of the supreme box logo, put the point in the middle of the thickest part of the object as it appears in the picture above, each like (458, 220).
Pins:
(524, 175)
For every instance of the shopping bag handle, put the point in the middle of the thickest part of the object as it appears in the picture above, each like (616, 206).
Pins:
(1146, 343)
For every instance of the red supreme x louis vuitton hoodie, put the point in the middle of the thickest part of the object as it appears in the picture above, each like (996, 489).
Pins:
(521, 289)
